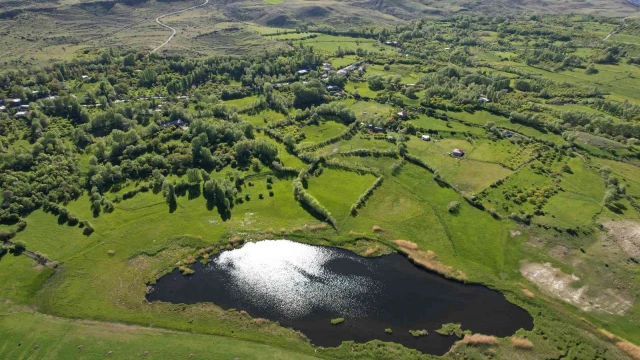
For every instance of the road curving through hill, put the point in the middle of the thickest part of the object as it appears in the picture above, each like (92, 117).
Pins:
(173, 31)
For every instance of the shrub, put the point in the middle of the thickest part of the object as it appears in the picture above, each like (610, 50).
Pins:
(260, 196)
(479, 339)
(271, 194)
(377, 228)
(521, 343)
(186, 271)
(450, 329)
(418, 333)
(454, 207)
(494, 213)
(111, 252)
(19, 246)
(388, 331)
(337, 321)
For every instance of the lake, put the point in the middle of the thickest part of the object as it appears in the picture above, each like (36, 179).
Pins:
(305, 286)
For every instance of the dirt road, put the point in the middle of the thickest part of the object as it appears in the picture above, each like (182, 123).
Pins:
(615, 31)
(173, 31)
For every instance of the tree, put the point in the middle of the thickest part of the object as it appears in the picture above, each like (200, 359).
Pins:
(130, 60)
(148, 77)
(309, 94)
(170, 196)
(375, 82)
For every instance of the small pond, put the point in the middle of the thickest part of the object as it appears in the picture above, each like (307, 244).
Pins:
(304, 287)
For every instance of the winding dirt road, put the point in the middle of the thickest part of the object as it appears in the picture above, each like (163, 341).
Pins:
(173, 31)
(615, 31)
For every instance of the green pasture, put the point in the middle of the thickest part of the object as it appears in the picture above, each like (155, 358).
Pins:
(57, 338)
(323, 131)
(338, 190)
(466, 174)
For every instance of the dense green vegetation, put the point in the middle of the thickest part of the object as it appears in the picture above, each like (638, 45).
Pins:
(497, 148)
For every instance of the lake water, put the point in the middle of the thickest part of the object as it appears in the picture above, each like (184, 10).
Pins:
(304, 286)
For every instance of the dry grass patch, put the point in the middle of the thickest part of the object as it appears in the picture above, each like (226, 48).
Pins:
(528, 293)
(631, 349)
(317, 227)
(521, 343)
(260, 321)
(479, 340)
(430, 261)
(406, 244)
(607, 334)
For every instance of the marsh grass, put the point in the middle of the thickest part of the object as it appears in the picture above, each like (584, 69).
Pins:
(337, 321)
(607, 335)
(479, 340)
(528, 293)
(406, 244)
(521, 343)
(629, 348)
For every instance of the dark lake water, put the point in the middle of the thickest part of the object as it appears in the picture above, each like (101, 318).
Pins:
(304, 287)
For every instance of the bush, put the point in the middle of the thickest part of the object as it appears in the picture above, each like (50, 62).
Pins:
(454, 207)
(388, 331)
(418, 333)
(450, 329)
(271, 194)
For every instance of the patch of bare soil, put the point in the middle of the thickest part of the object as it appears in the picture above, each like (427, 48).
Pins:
(627, 235)
(559, 252)
(515, 233)
(558, 284)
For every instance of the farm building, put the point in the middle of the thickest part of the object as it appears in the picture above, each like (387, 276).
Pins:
(302, 72)
(331, 88)
(458, 152)
(482, 98)
(426, 137)
(3, 108)
(22, 113)
(403, 114)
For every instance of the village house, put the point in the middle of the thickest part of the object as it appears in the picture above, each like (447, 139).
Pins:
(426, 137)
(458, 152)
